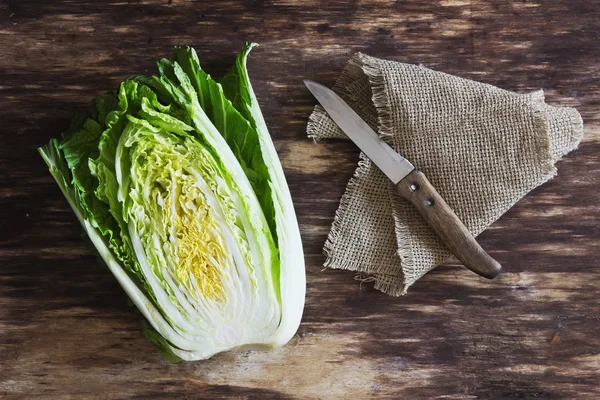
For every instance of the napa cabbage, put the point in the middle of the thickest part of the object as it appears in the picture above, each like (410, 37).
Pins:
(176, 181)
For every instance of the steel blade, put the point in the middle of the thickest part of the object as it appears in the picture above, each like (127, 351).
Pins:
(393, 165)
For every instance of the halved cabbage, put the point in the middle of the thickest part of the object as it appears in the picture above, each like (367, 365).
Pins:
(183, 195)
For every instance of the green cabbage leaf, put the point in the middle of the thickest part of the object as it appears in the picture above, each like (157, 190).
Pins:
(177, 183)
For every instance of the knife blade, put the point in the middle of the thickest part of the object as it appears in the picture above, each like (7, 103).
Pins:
(411, 184)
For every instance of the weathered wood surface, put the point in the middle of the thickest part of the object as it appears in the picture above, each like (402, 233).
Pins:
(66, 330)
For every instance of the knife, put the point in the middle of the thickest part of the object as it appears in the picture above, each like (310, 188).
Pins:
(411, 184)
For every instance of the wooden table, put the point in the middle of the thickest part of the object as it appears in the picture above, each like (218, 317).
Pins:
(66, 329)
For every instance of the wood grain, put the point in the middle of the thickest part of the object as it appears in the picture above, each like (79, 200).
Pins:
(416, 188)
(66, 329)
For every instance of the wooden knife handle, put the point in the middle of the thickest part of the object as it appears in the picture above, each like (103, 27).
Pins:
(420, 193)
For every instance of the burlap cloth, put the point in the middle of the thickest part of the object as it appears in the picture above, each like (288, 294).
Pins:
(483, 148)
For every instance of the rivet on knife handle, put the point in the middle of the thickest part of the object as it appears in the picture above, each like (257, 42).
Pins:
(422, 195)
